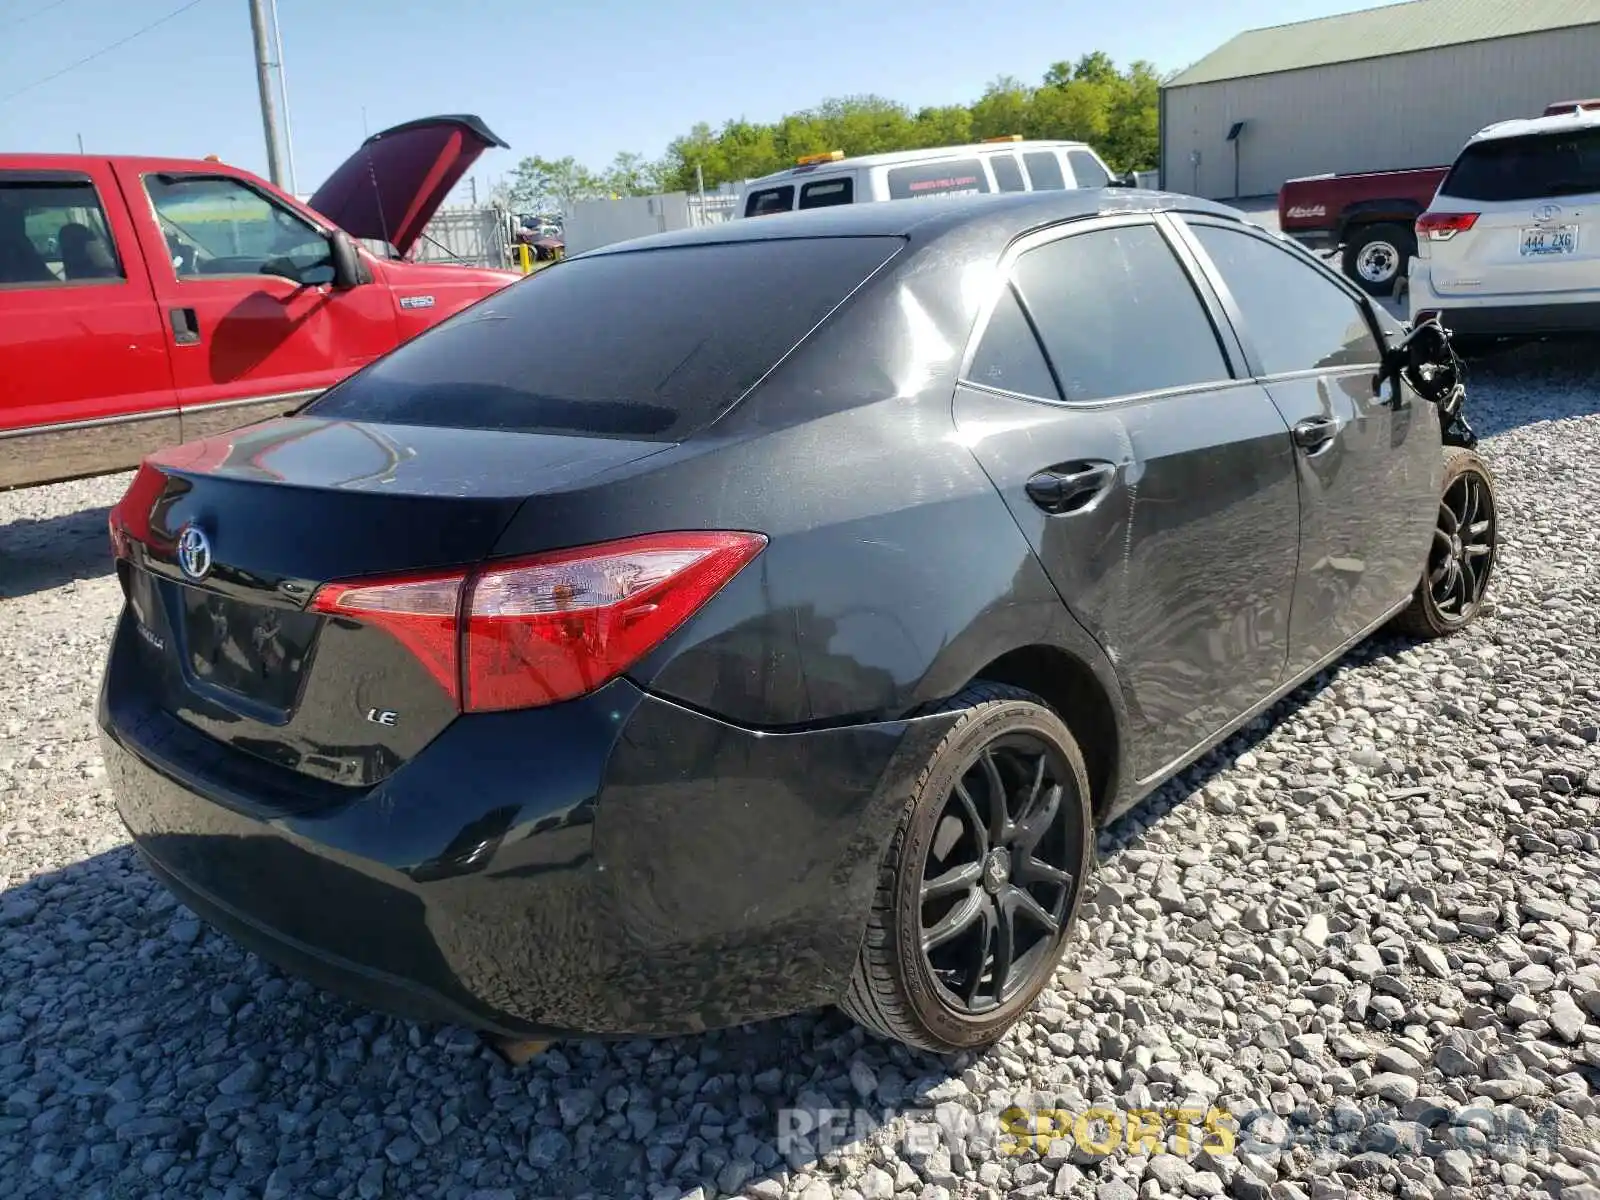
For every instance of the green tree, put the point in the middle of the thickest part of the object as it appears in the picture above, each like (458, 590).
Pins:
(631, 174)
(538, 184)
(1086, 99)
(1003, 108)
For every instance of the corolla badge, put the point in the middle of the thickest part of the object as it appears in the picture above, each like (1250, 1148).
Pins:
(1547, 212)
(194, 552)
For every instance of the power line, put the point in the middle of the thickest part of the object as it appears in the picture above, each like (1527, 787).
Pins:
(38, 12)
(89, 58)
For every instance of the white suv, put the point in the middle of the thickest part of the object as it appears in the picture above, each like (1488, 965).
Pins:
(1510, 246)
(1001, 164)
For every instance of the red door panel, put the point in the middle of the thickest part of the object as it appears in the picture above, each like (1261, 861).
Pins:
(242, 336)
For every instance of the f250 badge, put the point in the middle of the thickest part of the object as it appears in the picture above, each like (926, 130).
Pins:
(416, 301)
(1301, 211)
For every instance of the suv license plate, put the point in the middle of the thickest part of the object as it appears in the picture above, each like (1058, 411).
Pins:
(1549, 241)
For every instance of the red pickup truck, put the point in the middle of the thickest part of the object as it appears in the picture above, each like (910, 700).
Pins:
(148, 301)
(1370, 216)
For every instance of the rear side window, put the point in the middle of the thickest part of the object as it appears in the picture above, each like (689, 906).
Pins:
(960, 177)
(1007, 175)
(1009, 357)
(647, 344)
(1298, 319)
(54, 232)
(769, 200)
(1044, 169)
(1118, 314)
(1527, 168)
(1087, 169)
(824, 193)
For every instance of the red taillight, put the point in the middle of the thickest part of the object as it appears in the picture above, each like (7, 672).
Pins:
(1441, 227)
(119, 536)
(538, 630)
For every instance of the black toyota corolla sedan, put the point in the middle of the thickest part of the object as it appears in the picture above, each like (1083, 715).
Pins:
(749, 619)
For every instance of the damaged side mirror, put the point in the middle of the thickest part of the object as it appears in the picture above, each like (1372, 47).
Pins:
(1426, 361)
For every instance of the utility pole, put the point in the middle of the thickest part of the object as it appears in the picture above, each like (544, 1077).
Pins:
(269, 109)
(283, 93)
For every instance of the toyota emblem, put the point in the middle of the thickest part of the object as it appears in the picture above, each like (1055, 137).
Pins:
(1547, 212)
(194, 552)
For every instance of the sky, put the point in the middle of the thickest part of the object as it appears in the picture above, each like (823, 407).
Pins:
(586, 78)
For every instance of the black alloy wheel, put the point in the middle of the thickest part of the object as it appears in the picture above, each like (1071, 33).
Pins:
(982, 880)
(999, 874)
(1462, 554)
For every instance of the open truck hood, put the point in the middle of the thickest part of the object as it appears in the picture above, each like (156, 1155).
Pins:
(389, 189)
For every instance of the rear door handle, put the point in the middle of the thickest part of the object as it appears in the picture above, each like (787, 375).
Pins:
(1070, 487)
(185, 326)
(1314, 433)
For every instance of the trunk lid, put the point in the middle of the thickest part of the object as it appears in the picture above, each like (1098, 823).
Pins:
(225, 542)
(390, 188)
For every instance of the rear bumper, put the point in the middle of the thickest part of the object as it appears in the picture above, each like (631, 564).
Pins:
(614, 866)
(1500, 317)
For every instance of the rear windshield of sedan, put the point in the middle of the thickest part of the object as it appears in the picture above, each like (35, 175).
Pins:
(644, 344)
(1527, 168)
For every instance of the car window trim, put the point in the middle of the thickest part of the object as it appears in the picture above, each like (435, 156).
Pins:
(267, 197)
(1182, 226)
(1033, 240)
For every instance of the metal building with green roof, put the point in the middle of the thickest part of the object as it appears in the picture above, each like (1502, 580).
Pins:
(1403, 85)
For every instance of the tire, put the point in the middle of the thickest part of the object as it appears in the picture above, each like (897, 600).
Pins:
(899, 990)
(1430, 615)
(1377, 255)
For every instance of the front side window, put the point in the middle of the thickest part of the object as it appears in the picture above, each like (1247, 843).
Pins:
(1299, 320)
(769, 200)
(1086, 167)
(824, 193)
(1527, 168)
(1118, 314)
(54, 232)
(216, 226)
(959, 177)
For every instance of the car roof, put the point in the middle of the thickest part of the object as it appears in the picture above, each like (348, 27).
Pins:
(993, 219)
(895, 158)
(1584, 118)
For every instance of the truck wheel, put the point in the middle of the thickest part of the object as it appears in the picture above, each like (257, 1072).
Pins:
(1375, 256)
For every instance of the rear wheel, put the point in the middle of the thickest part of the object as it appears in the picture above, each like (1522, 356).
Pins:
(982, 880)
(1376, 256)
(1461, 557)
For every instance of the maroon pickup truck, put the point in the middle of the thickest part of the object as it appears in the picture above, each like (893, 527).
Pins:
(1369, 215)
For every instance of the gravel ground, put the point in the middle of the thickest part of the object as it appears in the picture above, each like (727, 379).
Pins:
(1367, 929)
